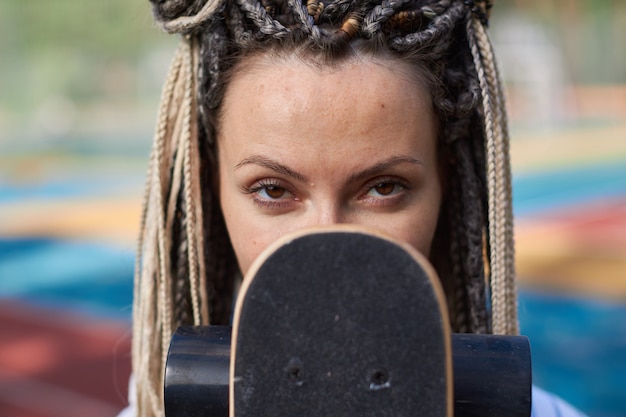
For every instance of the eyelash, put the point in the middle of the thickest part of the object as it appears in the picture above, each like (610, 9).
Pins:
(279, 203)
(264, 184)
(386, 200)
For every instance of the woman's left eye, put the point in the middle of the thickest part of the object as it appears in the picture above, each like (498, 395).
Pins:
(385, 189)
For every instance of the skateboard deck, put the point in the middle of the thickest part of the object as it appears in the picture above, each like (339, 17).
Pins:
(320, 330)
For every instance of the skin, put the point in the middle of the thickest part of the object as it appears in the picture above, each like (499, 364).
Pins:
(300, 145)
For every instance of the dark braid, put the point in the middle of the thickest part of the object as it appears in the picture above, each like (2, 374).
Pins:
(181, 291)
(457, 104)
(458, 295)
(264, 22)
(221, 263)
(466, 213)
(440, 26)
(213, 49)
(235, 21)
(165, 10)
(380, 14)
(303, 16)
(335, 10)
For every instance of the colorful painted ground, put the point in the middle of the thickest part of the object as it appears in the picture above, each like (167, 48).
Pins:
(67, 230)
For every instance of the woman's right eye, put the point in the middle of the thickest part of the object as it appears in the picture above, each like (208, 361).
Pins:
(270, 194)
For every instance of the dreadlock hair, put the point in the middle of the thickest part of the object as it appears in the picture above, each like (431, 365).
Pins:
(186, 270)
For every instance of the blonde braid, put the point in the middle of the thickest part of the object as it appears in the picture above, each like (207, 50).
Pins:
(174, 158)
(185, 23)
(144, 322)
(502, 267)
(190, 223)
(503, 176)
(511, 283)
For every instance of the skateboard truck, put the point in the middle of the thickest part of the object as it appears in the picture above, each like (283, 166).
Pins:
(492, 374)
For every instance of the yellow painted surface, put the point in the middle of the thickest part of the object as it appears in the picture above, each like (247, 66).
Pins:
(552, 257)
(568, 255)
(106, 219)
(576, 147)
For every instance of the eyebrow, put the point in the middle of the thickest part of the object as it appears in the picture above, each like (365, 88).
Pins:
(383, 166)
(279, 168)
(265, 162)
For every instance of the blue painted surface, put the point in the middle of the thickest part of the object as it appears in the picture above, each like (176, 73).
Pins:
(50, 189)
(553, 189)
(78, 186)
(86, 277)
(579, 350)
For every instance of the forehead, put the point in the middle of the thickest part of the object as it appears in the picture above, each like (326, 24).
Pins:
(295, 76)
(292, 109)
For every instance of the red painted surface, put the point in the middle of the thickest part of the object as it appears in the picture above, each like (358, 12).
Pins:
(600, 224)
(53, 363)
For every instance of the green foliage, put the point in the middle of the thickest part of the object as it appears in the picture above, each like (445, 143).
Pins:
(97, 51)
(74, 49)
(115, 28)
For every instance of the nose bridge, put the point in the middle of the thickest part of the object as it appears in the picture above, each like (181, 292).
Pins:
(328, 212)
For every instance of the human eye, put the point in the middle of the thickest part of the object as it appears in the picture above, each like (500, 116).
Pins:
(384, 191)
(270, 193)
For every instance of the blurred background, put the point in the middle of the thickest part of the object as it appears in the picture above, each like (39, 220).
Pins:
(79, 90)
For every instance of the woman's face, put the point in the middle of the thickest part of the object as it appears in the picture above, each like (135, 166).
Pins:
(301, 146)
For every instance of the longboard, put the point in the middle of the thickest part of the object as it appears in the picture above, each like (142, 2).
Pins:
(321, 330)
(492, 373)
